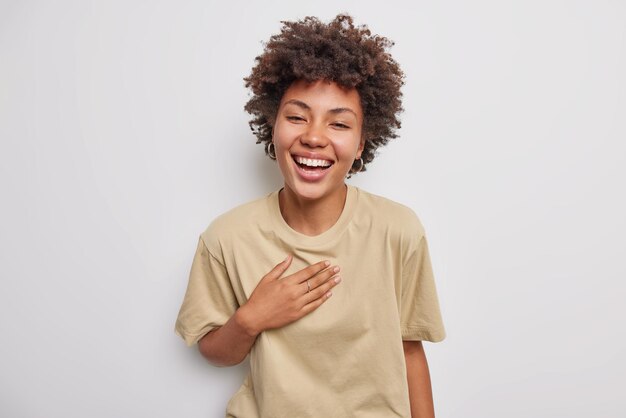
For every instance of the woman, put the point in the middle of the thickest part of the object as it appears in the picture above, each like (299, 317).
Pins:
(335, 329)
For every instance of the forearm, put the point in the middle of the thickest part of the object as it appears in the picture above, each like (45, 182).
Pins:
(229, 344)
(418, 376)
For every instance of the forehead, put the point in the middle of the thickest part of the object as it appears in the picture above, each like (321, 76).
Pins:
(323, 95)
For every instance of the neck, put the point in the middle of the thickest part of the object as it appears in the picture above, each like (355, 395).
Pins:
(312, 217)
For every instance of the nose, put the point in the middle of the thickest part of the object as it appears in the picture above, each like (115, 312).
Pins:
(314, 136)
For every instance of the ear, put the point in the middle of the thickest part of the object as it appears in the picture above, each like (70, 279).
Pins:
(359, 150)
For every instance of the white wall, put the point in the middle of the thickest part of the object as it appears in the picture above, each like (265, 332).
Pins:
(123, 134)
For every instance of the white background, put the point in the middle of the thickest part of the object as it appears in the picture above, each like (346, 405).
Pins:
(123, 135)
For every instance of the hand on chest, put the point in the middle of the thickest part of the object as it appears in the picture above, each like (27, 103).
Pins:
(365, 295)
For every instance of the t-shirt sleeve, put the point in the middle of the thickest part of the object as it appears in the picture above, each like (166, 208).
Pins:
(420, 316)
(209, 300)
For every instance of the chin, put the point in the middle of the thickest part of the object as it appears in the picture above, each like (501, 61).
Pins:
(313, 191)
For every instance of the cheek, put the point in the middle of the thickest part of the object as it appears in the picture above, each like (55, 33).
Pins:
(347, 149)
(283, 137)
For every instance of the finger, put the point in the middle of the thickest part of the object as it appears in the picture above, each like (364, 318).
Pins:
(323, 276)
(310, 271)
(310, 307)
(279, 269)
(321, 291)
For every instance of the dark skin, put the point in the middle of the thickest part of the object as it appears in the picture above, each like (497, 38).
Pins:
(324, 123)
(418, 376)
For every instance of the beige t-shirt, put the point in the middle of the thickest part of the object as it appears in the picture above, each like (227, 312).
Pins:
(344, 359)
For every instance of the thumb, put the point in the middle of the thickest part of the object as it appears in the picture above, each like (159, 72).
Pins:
(279, 269)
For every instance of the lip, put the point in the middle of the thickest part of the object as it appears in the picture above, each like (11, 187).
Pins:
(310, 175)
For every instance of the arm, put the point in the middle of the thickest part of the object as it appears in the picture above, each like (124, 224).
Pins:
(273, 304)
(418, 376)
(229, 344)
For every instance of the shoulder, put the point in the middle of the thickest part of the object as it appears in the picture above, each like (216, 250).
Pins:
(235, 223)
(390, 215)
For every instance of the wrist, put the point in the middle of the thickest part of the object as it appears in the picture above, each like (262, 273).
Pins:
(245, 320)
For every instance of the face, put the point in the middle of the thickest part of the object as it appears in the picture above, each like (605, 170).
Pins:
(317, 137)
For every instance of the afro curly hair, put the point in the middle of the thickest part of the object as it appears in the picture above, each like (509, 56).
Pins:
(338, 51)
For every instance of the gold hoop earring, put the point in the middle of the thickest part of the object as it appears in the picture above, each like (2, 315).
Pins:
(270, 150)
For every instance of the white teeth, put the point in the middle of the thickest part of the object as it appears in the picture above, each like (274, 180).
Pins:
(312, 163)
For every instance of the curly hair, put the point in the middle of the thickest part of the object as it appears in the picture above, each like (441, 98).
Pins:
(338, 51)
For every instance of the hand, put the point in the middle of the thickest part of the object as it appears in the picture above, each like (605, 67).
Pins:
(276, 302)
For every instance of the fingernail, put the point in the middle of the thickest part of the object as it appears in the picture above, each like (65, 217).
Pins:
(286, 259)
(327, 263)
(329, 294)
(337, 279)
(336, 269)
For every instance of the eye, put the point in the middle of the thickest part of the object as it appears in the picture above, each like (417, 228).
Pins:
(295, 118)
(340, 125)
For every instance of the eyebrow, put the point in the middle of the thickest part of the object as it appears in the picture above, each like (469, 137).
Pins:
(333, 111)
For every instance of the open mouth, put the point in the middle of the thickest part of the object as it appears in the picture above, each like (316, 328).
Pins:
(311, 164)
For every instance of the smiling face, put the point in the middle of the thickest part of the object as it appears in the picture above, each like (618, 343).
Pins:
(317, 137)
